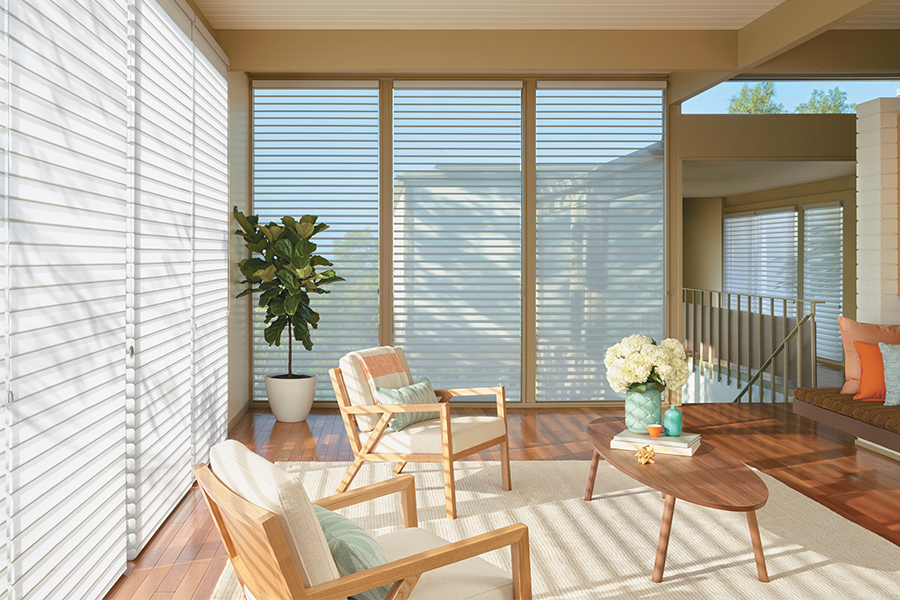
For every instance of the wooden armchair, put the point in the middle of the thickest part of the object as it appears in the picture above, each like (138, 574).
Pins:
(421, 565)
(444, 440)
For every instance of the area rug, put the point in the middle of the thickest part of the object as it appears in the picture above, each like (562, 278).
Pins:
(605, 548)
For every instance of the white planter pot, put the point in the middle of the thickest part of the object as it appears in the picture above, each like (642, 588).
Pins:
(291, 399)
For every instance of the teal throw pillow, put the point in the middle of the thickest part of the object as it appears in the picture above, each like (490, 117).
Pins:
(352, 548)
(891, 356)
(417, 393)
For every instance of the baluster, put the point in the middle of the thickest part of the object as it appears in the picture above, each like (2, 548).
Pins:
(772, 337)
(719, 340)
(787, 350)
(799, 346)
(812, 344)
(740, 323)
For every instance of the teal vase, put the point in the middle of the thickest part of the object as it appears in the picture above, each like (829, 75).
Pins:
(672, 422)
(642, 409)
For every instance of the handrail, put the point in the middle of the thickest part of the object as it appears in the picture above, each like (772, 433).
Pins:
(752, 326)
(768, 362)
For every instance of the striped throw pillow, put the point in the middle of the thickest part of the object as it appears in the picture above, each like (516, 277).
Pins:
(417, 393)
(352, 548)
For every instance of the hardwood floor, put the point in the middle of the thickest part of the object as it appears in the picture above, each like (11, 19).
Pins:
(185, 558)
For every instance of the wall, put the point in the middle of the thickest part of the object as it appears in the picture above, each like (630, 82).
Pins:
(239, 393)
(876, 198)
(703, 243)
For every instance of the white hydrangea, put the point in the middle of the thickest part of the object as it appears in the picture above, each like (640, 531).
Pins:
(638, 359)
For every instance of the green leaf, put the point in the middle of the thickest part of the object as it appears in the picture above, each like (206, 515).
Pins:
(266, 274)
(272, 231)
(291, 303)
(283, 248)
(320, 228)
(288, 279)
(258, 247)
(267, 296)
(305, 229)
(245, 223)
(318, 261)
(640, 388)
(272, 333)
(276, 307)
(249, 290)
(307, 272)
(249, 266)
(289, 222)
(311, 219)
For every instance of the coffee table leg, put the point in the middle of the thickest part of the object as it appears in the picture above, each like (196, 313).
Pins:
(589, 492)
(663, 546)
(757, 547)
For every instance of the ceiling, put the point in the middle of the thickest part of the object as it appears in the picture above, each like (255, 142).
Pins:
(718, 179)
(510, 14)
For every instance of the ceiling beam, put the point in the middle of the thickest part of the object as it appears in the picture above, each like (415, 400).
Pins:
(783, 28)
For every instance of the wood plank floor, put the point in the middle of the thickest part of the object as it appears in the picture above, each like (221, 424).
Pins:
(185, 558)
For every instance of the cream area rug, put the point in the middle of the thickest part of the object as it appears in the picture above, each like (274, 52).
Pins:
(605, 548)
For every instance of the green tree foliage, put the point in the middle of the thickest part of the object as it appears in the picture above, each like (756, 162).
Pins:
(755, 100)
(832, 101)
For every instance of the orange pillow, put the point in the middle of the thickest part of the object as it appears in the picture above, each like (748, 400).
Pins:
(851, 331)
(871, 375)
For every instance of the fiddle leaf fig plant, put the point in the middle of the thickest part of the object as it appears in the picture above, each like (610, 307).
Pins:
(284, 270)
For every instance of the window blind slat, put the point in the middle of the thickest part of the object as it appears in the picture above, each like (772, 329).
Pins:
(344, 194)
(457, 232)
(600, 233)
(760, 253)
(68, 205)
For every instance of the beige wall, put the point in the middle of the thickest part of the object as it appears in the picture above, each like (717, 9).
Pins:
(703, 243)
(239, 185)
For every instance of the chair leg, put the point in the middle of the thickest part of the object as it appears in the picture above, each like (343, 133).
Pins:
(449, 488)
(351, 473)
(399, 468)
(504, 465)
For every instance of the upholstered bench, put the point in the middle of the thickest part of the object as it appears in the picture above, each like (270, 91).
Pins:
(871, 421)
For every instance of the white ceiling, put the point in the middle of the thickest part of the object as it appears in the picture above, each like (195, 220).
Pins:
(509, 14)
(483, 14)
(718, 179)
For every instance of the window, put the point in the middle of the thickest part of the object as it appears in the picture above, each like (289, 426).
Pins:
(315, 151)
(823, 273)
(458, 232)
(461, 238)
(601, 272)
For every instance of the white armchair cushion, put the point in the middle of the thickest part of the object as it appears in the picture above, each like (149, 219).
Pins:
(360, 390)
(470, 579)
(425, 437)
(266, 485)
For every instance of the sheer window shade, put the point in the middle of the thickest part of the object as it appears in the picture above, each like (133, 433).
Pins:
(601, 272)
(823, 274)
(67, 212)
(315, 151)
(4, 305)
(458, 233)
(760, 253)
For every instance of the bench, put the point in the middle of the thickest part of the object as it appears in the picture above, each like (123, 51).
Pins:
(871, 421)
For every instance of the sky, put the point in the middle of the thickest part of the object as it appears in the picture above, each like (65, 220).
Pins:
(789, 93)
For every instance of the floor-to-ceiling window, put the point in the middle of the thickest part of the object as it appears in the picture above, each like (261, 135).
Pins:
(477, 187)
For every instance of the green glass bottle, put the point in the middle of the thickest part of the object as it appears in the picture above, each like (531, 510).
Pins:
(672, 421)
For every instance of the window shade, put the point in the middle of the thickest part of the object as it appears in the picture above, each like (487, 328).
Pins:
(601, 272)
(823, 274)
(210, 256)
(457, 234)
(315, 151)
(760, 253)
(160, 259)
(4, 306)
(67, 212)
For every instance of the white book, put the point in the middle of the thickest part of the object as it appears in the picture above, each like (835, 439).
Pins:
(671, 450)
(681, 441)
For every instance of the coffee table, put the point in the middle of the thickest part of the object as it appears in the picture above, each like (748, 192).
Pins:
(709, 478)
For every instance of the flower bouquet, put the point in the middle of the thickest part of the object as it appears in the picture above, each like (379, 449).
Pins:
(643, 369)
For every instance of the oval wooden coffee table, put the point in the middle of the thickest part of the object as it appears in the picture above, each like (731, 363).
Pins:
(709, 478)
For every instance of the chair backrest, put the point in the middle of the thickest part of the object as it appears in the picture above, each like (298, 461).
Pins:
(259, 482)
(254, 540)
(363, 370)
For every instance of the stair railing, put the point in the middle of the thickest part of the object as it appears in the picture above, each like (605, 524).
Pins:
(739, 337)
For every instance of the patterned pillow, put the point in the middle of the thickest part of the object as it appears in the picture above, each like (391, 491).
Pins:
(891, 356)
(417, 393)
(352, 548)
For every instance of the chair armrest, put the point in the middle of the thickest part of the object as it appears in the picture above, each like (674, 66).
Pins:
(411, 567)
(405, 484)
(498, 391)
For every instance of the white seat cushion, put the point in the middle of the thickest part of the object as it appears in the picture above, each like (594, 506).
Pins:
(269, 486)
(425, 437)
(470, 579)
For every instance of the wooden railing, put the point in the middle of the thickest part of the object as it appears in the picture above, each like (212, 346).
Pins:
(758, 342)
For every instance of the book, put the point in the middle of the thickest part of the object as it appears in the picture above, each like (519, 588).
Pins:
(671, 450)
(684, 440)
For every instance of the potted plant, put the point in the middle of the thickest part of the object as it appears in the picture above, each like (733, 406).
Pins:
(283, 270)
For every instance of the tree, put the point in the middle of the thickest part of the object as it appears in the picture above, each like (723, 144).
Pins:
(832, 101)
(756, 99)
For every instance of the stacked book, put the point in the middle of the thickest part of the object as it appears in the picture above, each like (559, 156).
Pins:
(682, 445)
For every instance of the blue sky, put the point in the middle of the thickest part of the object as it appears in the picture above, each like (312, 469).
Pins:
(789, 93)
